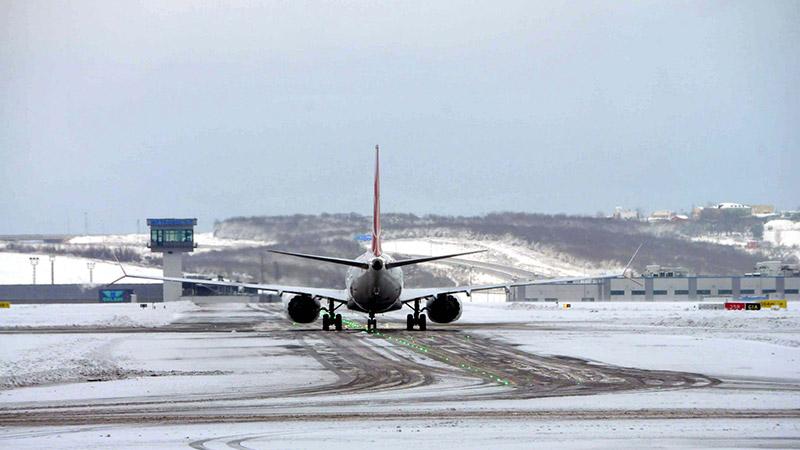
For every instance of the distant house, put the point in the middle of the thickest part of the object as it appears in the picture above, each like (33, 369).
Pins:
(763, 210)
(735, 208)
(725, 210)
(625, 214)
(661, 216)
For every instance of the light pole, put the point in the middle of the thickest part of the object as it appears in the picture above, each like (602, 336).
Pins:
(52, 269)
(90, 265)
(34, 261)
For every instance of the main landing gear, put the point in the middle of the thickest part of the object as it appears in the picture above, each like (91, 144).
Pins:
(330, 319)
(417, 319)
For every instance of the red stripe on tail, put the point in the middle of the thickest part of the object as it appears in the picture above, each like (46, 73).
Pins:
(376, 206)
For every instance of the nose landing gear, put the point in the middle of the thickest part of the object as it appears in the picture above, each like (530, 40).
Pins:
(372, 323)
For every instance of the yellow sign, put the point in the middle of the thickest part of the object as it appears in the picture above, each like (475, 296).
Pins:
(5, 305)
(771, 303)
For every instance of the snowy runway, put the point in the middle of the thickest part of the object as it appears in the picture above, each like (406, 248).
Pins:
(510, 375)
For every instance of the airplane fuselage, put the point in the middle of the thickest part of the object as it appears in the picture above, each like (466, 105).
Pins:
(376, 289)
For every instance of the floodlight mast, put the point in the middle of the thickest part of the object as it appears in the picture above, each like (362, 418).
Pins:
(90, 265)
(34, 261)
(52, 269)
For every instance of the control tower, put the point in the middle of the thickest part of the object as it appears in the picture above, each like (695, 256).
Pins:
(172, 238)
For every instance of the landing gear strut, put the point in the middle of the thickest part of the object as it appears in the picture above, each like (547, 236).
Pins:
(330, 319)
(417, 319)
(372, 323)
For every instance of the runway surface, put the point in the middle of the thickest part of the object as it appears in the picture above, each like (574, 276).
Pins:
(449, 373)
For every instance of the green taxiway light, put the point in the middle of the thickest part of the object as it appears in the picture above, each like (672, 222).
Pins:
(423, 349)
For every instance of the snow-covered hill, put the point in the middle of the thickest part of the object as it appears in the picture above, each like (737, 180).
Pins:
(205, 242)
(508, 253)
(15, 268)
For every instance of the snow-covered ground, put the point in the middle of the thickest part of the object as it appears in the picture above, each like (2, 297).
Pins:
(780, 326)
(734, 240)
(205, 241)
(502, 252)
(785, 233)
(15, 268)
(31, 359)
(94, 314)
(742, 348)
(467, 434)
(663, 336)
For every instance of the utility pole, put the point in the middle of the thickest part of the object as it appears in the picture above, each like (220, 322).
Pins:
(52, 269)
(34, 261)
(90, 265)
(262, 266)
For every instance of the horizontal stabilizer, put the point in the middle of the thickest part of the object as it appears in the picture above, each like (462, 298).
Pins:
(406, 262)
(340, 261)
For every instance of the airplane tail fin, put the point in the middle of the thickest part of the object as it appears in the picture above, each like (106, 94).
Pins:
(376, 206)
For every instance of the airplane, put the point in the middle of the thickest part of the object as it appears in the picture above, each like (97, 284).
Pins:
(374, 284)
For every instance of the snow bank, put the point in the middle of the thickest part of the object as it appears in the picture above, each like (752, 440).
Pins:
(45, 359)
(95, 315)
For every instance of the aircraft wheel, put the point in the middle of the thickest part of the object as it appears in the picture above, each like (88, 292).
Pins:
(410, 322)
(423, 324)
(326, 322)
(337, 322)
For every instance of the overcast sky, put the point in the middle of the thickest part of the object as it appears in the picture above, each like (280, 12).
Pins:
(180, 109)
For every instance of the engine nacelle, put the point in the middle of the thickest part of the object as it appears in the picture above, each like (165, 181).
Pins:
(303, 309)
(444, 308)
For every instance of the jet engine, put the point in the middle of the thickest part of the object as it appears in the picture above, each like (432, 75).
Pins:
(444, 308)
(303, 309)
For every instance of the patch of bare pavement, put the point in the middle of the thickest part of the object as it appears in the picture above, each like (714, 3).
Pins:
(389, 374)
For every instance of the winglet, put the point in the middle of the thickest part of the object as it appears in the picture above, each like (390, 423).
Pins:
(630, 261)
(114, 254)
(628, 266)
(124, 274)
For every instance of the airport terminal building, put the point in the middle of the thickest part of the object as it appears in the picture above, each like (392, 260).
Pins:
(773, 280)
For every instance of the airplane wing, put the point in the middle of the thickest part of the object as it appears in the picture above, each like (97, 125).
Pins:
(412, 294)
(340, 295)
(408, 295)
